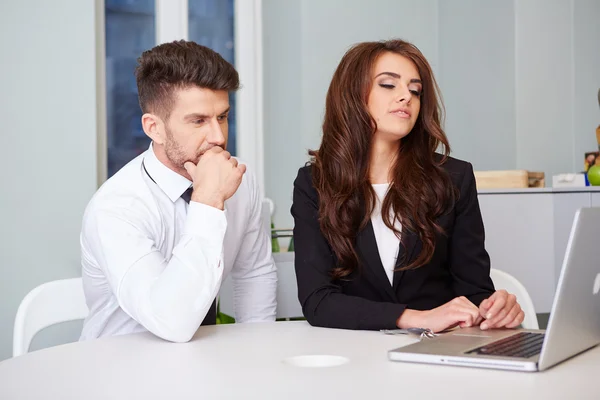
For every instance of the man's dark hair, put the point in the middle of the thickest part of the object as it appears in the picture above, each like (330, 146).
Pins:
(180, 65)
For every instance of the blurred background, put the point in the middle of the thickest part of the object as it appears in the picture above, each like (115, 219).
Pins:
(519, 79)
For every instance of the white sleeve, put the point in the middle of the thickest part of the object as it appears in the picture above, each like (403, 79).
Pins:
(254, 275)
(170, 298)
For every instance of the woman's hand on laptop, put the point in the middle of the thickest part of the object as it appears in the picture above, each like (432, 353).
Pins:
(457, 312)
(501, 310)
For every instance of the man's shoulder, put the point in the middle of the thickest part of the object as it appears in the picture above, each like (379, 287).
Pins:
(125, 189)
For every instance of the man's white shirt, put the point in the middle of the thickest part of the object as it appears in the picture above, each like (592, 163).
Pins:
(152, 262)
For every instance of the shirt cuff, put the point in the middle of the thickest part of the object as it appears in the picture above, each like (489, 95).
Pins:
(205, 221)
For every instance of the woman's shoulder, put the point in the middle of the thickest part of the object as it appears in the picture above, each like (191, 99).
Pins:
(306, 169)
(304, 179)
(458, 169)
(304, 188)
(452, 164)
(305, 174)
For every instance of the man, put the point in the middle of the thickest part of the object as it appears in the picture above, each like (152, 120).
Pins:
(159, 237)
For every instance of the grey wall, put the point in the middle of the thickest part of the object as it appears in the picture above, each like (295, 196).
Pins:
(285, 139)
(477, 75)
(519, 78)
(586, 75)
(48, 162)
(544, 86)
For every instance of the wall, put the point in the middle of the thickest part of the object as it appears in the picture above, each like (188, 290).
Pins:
(585, 53)
(48, 163)
(519, 78)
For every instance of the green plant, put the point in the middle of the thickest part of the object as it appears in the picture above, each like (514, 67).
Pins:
(274, 240)
(223, 318)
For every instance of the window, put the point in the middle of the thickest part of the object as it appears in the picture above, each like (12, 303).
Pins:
(210, 23)
(130, 30)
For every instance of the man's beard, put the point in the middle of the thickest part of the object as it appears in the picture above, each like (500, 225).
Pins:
(176, 154)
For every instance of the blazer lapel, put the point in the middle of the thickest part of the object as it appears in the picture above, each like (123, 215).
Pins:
(406, 254)
(367, 246)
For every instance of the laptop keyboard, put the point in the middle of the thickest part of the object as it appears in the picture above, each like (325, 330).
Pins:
(522, 345)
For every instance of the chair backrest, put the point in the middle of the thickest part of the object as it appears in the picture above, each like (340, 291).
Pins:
(48, 304)
(288, 305)
(266, 213)
(503, 280)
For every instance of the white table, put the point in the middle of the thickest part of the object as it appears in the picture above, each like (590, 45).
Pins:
(246, 361)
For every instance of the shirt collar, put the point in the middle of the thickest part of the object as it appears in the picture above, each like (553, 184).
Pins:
(169, 181)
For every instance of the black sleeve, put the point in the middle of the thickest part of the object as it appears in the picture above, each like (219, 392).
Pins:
(469, 261)
(322, 300)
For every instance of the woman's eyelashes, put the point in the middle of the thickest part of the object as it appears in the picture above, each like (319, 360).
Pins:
(390, 86)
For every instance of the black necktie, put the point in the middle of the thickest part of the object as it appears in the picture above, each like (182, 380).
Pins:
(211, 315)
(187, 195)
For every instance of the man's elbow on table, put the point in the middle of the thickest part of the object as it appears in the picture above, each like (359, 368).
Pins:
(180, 338)
(177, 330)
(176, 335)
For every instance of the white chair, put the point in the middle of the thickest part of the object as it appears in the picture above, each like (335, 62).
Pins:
(266, 213)
(503, 280)
(288, 305)
(48, 304)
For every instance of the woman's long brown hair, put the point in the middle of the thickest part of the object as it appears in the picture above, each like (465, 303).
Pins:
(420, 190)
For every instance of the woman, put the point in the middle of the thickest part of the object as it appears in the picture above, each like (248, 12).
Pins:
(388, 233)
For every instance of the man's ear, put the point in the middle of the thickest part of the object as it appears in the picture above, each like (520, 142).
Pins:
(153, 127)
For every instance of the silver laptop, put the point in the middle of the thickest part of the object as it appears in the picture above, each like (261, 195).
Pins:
(574, 324)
